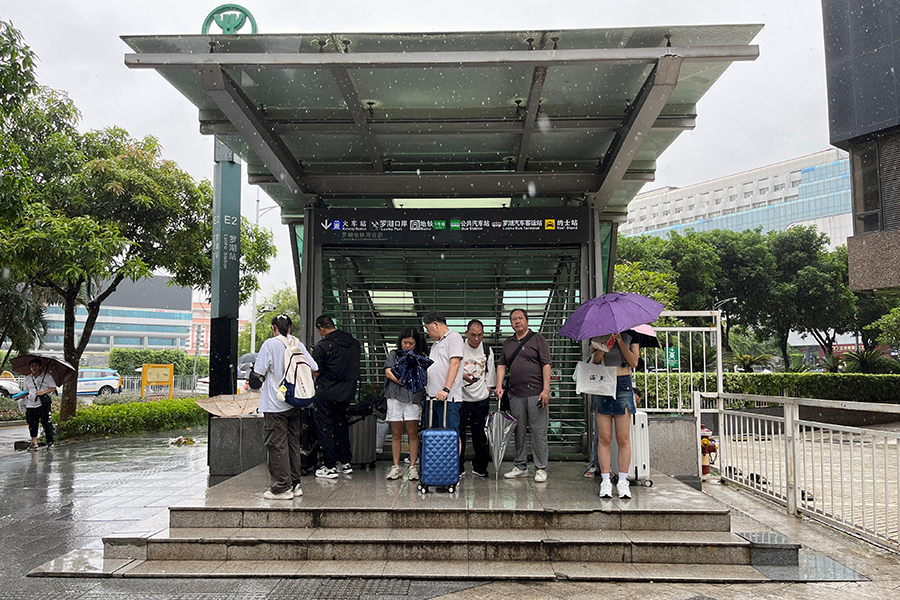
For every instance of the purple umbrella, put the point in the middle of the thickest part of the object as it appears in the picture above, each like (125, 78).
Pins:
(610, 313)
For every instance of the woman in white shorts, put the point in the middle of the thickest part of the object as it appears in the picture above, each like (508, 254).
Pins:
(404, 406)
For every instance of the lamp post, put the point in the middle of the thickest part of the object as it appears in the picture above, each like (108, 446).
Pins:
(253, 311)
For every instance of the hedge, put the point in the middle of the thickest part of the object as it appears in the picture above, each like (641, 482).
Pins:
(854, 387)
(132, 417)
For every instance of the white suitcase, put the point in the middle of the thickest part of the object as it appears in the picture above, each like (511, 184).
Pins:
(639, 469)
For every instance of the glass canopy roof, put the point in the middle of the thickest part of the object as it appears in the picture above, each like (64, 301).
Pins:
(566, 117)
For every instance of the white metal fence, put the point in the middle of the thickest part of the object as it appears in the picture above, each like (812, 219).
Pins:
(848, 477)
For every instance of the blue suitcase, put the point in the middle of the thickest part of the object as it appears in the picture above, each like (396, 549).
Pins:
(439, 457)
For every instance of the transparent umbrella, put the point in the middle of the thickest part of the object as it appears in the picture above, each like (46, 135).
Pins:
(499, 427)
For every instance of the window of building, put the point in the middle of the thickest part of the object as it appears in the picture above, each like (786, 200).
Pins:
(732, 198)
(747, 194)
(678, 210)
(778, 187)
(764, 190)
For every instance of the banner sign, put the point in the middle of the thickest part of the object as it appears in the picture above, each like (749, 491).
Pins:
(453, 227)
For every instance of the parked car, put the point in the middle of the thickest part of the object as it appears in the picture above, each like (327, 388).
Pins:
(99, 382)
(9, 388)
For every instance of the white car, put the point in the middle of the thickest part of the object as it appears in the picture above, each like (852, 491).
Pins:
(8, 388)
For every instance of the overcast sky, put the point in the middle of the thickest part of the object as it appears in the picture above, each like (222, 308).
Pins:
(758, 112)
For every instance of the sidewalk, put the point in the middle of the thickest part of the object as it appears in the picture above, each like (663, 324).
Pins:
(53, 502)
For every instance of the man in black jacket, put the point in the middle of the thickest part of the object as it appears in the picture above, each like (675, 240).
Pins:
(337, 355)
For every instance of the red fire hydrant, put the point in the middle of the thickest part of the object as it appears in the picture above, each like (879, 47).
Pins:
(708, 448)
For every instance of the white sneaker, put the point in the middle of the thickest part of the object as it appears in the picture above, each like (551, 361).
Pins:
(516, 472)
(327, 473)
(298, 491)
(540, 476)
(606, 488)
(395, 472)
(346, 468)
(285, 495)
(413, 474)
(623, 488)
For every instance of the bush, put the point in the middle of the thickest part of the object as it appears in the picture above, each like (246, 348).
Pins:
(132, 417)
(126, 360)
(852, 387)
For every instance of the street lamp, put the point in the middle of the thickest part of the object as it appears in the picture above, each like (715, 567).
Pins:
(253, 311)
(719, 304)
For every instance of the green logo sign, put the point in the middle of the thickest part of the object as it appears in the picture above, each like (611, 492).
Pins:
(440, 224)
(230, 17)
(456, 224)
(672, 361)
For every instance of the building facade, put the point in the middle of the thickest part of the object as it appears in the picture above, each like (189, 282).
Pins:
(145, 314)
(810, 190)
(862, 60)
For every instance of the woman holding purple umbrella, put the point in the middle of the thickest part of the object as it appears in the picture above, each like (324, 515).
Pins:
(620, 351)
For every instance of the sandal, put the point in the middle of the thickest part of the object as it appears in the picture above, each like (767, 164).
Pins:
(33, 448)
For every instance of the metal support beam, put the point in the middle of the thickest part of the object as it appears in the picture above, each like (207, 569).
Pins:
(252, 127)
(639, 120)
(399, 60)
(351, 99)
(538, 77)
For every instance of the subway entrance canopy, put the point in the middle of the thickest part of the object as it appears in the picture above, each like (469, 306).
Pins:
(532, 142)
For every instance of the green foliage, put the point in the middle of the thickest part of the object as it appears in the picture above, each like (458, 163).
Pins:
(889, 325)
(285, 301)
(132, 417)
(127, 360)
(697, 266)
(870, 361)
(824, 386)
(631, 277)
(746, 362)
(17, 80)
(21, 319)
(832, 363)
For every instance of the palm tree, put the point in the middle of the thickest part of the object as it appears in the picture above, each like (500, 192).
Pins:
(746, 362)
(22, 321)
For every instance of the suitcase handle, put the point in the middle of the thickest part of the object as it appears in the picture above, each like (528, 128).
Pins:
(431, 411)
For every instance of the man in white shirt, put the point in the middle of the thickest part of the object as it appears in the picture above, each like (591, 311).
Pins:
(444, 375)
(479, 380)
(282, 421)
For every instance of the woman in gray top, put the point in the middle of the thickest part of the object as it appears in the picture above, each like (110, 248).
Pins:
(404, 406)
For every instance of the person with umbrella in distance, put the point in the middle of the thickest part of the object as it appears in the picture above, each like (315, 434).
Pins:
(404, 406)
(479, 379)
(39, 385)
(617, 350)
(526, 355)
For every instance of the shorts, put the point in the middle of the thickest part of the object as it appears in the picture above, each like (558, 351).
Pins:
(621, 404)
(402, 411)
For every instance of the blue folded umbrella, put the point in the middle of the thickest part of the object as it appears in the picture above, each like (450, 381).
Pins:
(412, 370)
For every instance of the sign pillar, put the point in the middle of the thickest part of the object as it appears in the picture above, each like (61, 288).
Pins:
(226, 254)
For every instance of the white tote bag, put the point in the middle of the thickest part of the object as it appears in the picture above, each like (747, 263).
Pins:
(595, 379)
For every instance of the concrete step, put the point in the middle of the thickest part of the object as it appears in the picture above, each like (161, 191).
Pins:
(655, 519)
(445, 544)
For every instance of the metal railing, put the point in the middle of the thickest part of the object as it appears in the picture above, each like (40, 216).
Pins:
(847, 477)
(689, 360)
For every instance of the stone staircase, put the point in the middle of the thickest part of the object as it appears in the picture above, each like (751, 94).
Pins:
(487, 530)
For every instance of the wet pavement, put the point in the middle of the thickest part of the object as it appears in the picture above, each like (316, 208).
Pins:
(53, 502)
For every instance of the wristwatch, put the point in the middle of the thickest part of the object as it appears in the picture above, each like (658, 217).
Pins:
(446, 390)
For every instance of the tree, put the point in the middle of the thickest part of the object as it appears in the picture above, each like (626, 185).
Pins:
(644, 249)
(870, 310)
(631, 277)
(103, 207)
(21, 319)
(746, 267)
(829, 307)
(889, 325)
(285, 302)
(697, 266)
(17, 80)
(788, 300)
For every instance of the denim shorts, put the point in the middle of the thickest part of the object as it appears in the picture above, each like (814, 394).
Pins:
(621, 404)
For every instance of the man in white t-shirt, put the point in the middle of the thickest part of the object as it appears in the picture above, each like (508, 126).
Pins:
(282, 421)
(479, 380)
(444, 375)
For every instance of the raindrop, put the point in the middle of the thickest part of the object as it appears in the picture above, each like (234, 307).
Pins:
(532, 189)
(442, 256)
(528, 271)
(418, 172)
(543, 123)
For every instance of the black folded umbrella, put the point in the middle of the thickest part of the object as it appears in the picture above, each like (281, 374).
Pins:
(412, 370)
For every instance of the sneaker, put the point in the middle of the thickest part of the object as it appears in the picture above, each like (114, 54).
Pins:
(590, 472)
(298, 491)
(540, 476)
(327, 473)
(395, 472)
(33, 448)
(606, 488)
(477, 474)
(413, 474)
(285, 495)
(623, 488)
(49, 445)
(346, 468)
(516, 472)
